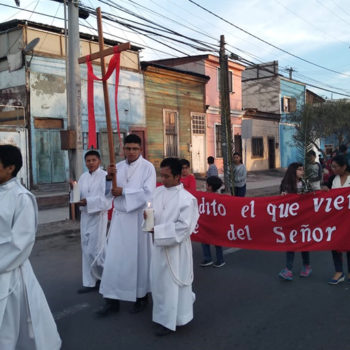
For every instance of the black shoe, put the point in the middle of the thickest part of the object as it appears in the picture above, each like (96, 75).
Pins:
(110, 306)
(139, 305)
(161, 331)
(84, 290)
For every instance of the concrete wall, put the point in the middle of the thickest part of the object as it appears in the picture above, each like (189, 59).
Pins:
(262, 94)
(265, 129)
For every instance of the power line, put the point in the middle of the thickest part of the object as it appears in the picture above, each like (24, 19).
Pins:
(268, 43)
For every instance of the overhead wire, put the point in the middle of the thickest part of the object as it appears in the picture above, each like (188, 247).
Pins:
(268, 43)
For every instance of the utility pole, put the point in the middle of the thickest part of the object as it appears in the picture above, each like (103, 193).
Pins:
(226, 129)
(74, 90)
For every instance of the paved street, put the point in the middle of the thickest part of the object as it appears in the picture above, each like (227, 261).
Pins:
(240, 306)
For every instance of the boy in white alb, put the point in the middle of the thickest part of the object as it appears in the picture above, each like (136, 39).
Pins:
(26, 322)
(175, 218)
(94, 208)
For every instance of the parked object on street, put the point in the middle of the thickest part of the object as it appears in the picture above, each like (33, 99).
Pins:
(26, 321)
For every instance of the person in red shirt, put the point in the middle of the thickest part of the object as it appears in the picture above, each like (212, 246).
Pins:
(187, 179)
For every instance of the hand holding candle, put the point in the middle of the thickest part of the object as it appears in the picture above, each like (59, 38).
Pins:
(75, 197)
(148, 224)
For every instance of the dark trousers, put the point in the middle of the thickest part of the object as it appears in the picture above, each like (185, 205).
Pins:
(338, 261)
(240, 191)
(290, 259)
(207, 253)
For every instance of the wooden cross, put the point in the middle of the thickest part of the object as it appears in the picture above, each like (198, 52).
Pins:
(101, 55)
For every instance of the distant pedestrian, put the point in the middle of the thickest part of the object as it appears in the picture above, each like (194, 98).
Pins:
(293, 182)
(213, 184)
(341, 180)
(343, 151)
(26, 321)
(212, 169)
(239, 175)
(314, 171)
(187, 179)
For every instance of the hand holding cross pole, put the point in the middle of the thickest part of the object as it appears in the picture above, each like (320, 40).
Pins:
(101, 55)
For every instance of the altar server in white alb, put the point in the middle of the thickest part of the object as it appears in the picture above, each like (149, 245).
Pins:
(26, 322)
(94, 208)
(126, 268)
(175, 218)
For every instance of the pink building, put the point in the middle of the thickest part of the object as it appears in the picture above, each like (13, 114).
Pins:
(206, 141)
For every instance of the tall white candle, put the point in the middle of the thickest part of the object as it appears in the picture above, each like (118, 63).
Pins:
(148, 224)
(75, 193)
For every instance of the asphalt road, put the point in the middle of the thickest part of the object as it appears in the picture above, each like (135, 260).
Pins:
(242, 305)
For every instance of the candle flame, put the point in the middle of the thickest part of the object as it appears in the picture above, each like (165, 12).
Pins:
(148, 204)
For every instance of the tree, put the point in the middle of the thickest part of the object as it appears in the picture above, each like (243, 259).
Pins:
(314, 122)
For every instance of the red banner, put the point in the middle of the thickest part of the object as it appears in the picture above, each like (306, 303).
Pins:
(114, 64)
(294, 222)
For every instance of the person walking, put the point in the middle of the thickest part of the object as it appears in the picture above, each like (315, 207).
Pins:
(128, 254)
(213, 184)
(239, 175)
(342, 179)
(293, 182)
(26, 321)
(212, 169)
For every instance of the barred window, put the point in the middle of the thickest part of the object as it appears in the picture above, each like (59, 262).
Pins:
(171, 127)
(218, 150)
(198, 124)
(257, 147)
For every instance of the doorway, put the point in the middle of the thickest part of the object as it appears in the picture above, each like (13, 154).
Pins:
(272, 154)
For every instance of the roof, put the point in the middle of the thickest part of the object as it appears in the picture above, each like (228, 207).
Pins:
(144, 65)
(17, 23)
(195, 58)
(256, 114)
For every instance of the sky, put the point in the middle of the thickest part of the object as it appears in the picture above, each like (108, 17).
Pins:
(310, 36)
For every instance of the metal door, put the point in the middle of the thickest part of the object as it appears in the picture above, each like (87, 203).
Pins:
(50, 164)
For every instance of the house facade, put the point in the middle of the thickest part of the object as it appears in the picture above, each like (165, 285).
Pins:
(36, 85)
(175, 115)
(273, 95)
(208, 65)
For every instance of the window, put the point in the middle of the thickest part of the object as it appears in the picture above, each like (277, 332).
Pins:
(218, 150)
(230, 80)
(198, 123)
(289, 104)
(257, 147)
(170, 133)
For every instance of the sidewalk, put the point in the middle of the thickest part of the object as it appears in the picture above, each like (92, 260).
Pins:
(56, 221)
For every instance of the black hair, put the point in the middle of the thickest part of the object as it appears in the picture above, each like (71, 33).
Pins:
(174, 165)
(214, 182)
(340, 160)
(311, 153)
(132, 138)
(343, 148)
(239, 155)
(289, 181)
(211, 160)
(11, 155)
(185, 162)
(92, 153)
